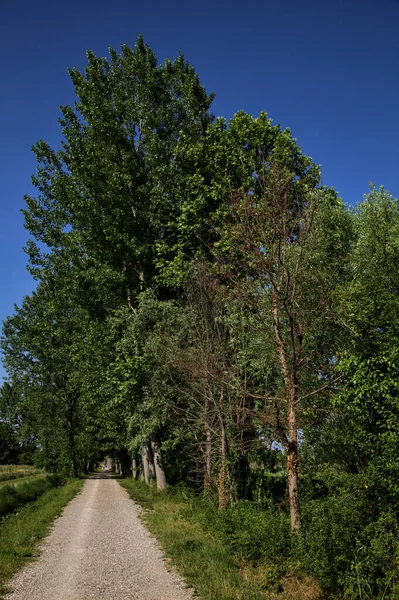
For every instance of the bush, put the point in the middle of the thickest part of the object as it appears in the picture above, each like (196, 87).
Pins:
(246, 528)
(253, 532)
(13, 496)
(326, 544)
(374, 571)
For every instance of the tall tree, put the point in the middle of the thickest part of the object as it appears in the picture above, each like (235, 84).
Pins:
(39, 343)
(370, 314)
(112, 196)
(281, 254)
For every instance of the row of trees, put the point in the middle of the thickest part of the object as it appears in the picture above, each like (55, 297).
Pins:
(203, 304)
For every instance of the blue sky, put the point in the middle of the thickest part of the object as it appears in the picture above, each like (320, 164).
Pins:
(327, 70)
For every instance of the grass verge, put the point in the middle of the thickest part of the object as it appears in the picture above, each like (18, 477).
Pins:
(25, 490)
(8, 472)
(26, 478)
(20, 532)
(203, 557)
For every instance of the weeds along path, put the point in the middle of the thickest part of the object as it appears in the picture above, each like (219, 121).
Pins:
(98, 550)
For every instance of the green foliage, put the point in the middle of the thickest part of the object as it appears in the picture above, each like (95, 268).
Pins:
(374, 565)
(327, 544)
(132, 331)
(9, 446)
(348, 549)
(247, 529)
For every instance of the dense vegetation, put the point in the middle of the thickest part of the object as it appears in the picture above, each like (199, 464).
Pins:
(210, 315)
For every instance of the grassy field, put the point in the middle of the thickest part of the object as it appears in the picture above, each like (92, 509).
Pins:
(21, 532)
(16, 480)
(11, 472)
(206, 563)
(27, 489)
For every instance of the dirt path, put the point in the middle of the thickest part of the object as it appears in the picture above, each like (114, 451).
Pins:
(99, 550)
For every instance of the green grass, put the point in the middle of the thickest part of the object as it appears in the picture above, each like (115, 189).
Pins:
(20, 479)
(207, 563)
(11, 472)
(25, 490)
(21, 532)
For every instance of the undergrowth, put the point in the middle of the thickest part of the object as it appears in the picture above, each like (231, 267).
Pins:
(348, 546)
(215, 551)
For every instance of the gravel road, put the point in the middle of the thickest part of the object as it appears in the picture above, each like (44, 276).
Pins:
(99, 550)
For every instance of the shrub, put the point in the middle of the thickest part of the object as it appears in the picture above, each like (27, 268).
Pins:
(374, 570)
(326, 544)
(246, 528)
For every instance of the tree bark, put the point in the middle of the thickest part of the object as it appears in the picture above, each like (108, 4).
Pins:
(208, 448)
(292, 467)
(159, 472)
(291, 445)
(148, 463)
(71, 438)
(223, 495)
(134, 468)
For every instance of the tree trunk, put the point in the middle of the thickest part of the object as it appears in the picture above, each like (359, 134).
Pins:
(151, 463)
(208, 448)
(223, 495)
(148, 462)
(159, 472)
(292, 466)
(291, 445)
(146, 466)
(134, 468)
(71, 439)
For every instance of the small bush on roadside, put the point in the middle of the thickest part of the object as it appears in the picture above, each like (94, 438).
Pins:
(254, 532)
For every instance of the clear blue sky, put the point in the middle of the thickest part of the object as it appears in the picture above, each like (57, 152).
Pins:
(328, 70)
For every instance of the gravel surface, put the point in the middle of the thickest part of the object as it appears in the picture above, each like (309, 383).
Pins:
(99, 550)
